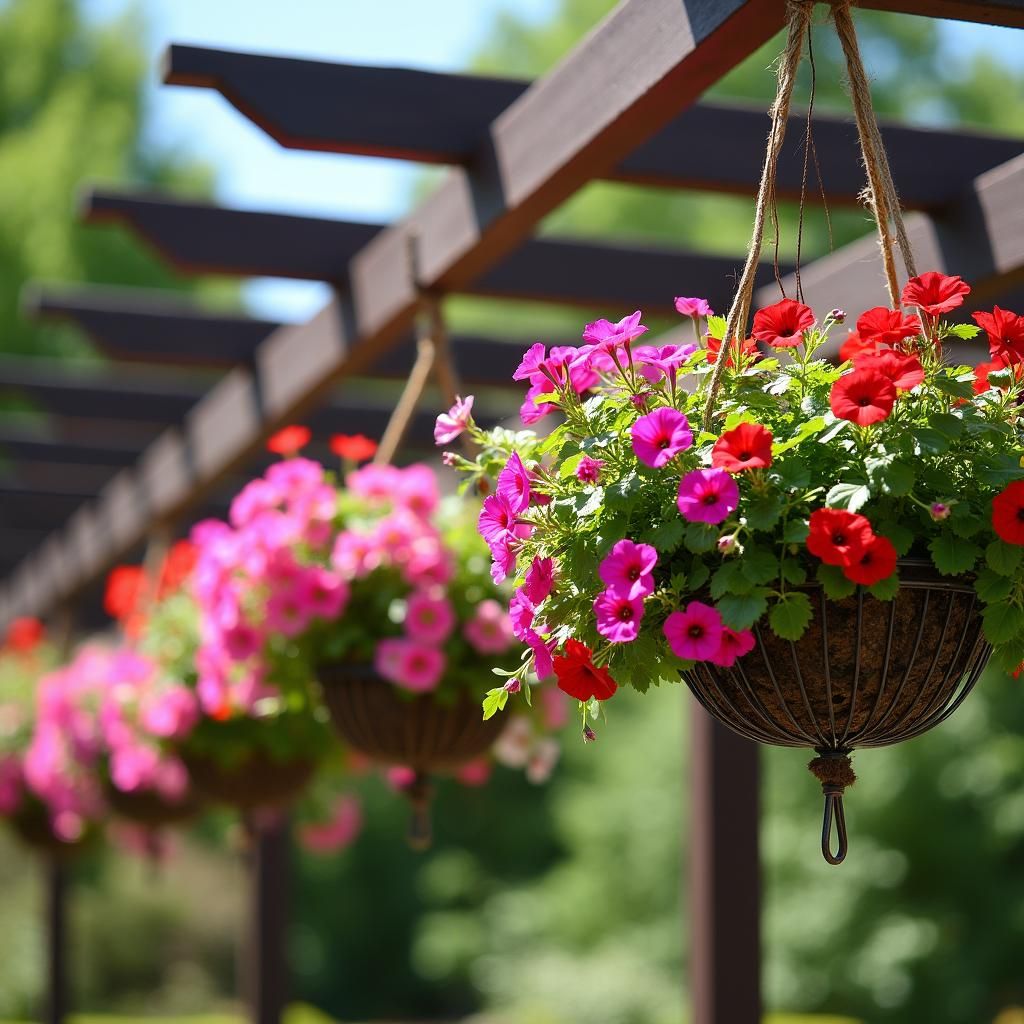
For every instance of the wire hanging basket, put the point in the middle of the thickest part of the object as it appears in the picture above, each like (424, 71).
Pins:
(866, 673)
(420, 732)
(255, 781)
(150, 809)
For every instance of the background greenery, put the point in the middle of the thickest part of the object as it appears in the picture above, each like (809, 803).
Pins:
(537, 905)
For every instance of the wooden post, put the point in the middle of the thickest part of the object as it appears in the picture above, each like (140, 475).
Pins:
(56, 998)
(267, 982)
(725, 888)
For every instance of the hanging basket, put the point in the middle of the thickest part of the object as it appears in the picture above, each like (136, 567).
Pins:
(256, 781)
(419, 732)
(866, 673)
(31, 823)
(150, 809)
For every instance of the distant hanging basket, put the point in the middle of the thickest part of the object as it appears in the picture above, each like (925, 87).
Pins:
(866, 673)
(422, 732)
(31, 823)
(252, 782)
(150, 809)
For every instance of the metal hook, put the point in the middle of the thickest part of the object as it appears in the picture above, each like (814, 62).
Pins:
(834, 810)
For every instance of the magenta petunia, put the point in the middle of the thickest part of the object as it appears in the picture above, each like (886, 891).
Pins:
(588, 470)
(626, 569)
(695, 633)
(452, 423)
(734, 644)
(693, 307)
(540, 579)
(660, 436)
(608, 337)
(497, 518)
(656, 361)
(531, 362)
(618, 617)
(707, 495)
(514, 484)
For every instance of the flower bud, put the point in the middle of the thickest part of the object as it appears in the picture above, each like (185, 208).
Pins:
(513, 686)
(589, 736)
(939, 511)
(483, 486)
(727, 544)
(640, 401)
(837, 315)
(449, 458)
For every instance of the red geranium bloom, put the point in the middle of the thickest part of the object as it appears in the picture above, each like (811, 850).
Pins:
(24, 634)
(934, 293)
(579, 677)
(748, 350)
(1008, 513)
(904, 371)
(982, 370)
(354, 447)
(747, 446)
(783, 325)
(855, 346)
(1005, 332)
(838, 537)
(178, 566)
(288, 441)
(883, 326)
(877, 563)
(863, 397)
(126, 585)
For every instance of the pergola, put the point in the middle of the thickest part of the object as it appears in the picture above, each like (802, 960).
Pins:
(624, 106)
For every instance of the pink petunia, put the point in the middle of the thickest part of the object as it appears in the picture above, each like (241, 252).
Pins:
(693, 307)
(707, 495)
(514, 484)
(588, 470)
(410, 665)
(607, 337)
(660, 436)
(452, 423)
(695, 633)
(656, 361)
(539, 580)
(170, 713)
(339, 831)
(497, 518)
(429, 618)
(355, 555)
(627, 569)
(324, 593)
(733, 644)
(618, 617)
(489, 631)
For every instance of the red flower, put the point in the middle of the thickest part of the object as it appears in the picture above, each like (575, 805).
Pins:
(854, 346)
(1008, 513)
(783, 325)
(288, 441)
(877, 563)
(24, 634)
(1005, 332)
(881, 326)
(863, 397)
(982, 370)
(354, 447)
(126, 585)
(838, 537)
(934, 293)
(579, 677)
(748, 351)
(177, 567)
(902, 371)
(746, 446)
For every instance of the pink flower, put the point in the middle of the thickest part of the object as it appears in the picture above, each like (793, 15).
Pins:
(497, 518)
(170, 713)
(475, 773)
(400, 777)
(707, 495)
(695, 633)
(660, 436)
(489, 631)
(530, 411)
(733, 645)
(514, 484)
(542, 761)
(324, 594)
(287, 612)
(618, 617)
(539, 580)
(531, 363)
(452, 423)
(417, 490)
(338, 832)
(429, 619)
(664, 361)
(693, 307)
(939, 510)
(588, 470)
(503, 557)
(411, 665)
(608, 337)
(355, 555)
(374, 483)
(626, 570)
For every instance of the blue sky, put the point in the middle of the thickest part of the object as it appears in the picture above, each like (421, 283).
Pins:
(253, 171)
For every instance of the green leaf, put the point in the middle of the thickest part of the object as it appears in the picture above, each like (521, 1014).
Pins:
(953, 555)
(741, 611)
(992, 587)
(494, 702)
(667, 535)
(588, 504)
(965, 331)
(834, 431)
(964, 523)
(624, 492)
(887, 589)
(890, 476)
(1003, 558)
(790, 615)
(901, 536)
(568, 467)
(947, 424)
(717, 326)
(699, 575)
(793, 572)
(1003, 621)
(808, 429)
(930, 441)
(834, 583)
(763, 510)
(730, 578)
(701, 537)
(849, 496)
(796, 531)
(953, 388)
(759, 566)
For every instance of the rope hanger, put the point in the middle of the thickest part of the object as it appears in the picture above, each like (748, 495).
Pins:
(880, 195)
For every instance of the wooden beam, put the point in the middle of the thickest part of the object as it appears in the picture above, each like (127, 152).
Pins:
(1009, 13)
(149, 326)
(201, 238)
(429, 117)
(29, 446)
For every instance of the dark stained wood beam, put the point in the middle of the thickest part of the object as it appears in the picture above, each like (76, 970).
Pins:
(1008, 13)
(203, 238)
(30, 446)
(435, 118)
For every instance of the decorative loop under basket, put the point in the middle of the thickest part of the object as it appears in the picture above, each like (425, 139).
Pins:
(257, 780)
(150, 809)
(420, 732)
(866, 673)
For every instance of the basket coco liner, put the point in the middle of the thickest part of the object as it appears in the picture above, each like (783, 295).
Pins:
(866, 673)
(255, 781)
(420, 732)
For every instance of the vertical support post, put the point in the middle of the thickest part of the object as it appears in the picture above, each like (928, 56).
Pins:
(725, 883)
(56, 1000)
(267, 968)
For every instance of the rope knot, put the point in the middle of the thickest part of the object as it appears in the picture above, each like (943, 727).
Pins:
(834, 770)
